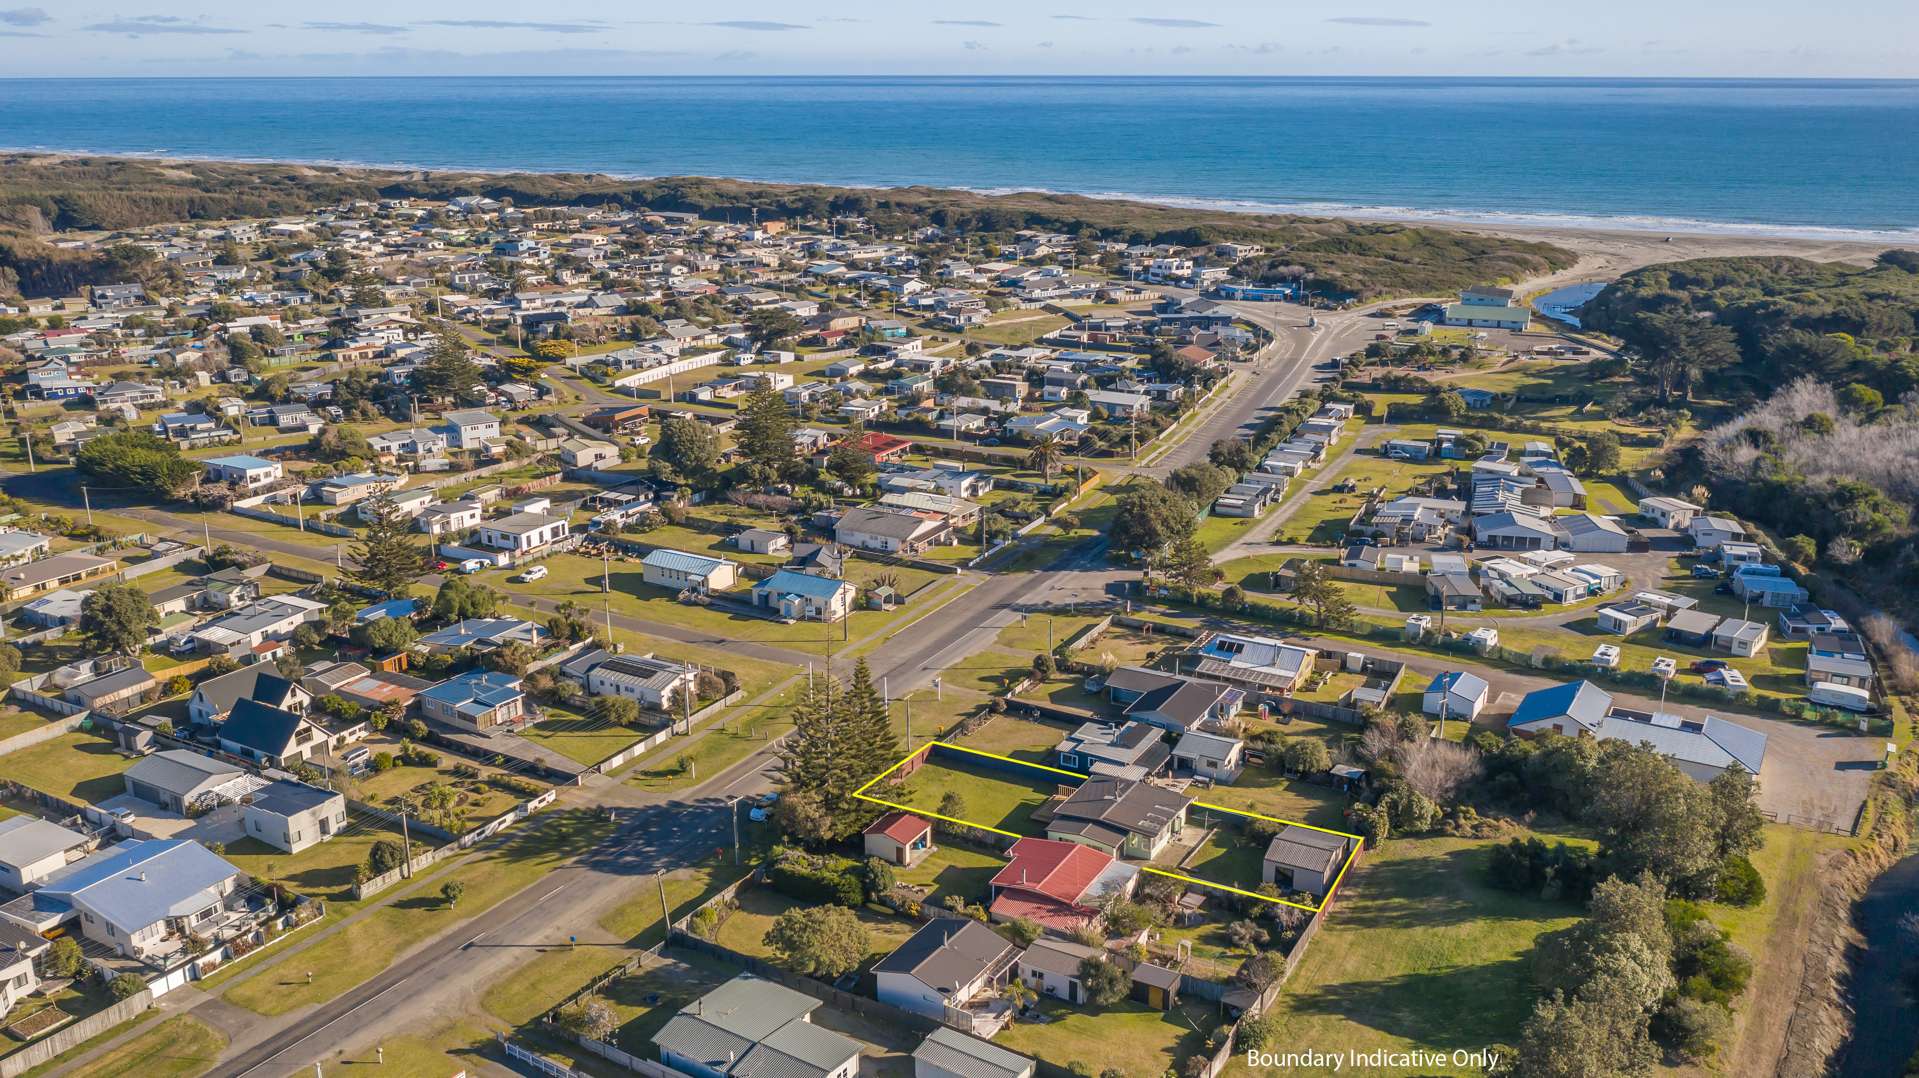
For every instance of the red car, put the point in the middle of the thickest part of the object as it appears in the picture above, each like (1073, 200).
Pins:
(1707, 666)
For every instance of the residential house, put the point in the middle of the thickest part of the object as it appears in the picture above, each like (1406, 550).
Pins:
(270, 736)
(583, 453)
(213, 698)
(801, 596)
(1171, 702)
(476, 700)
(522, 533)
(1626, 619)
(31, 849)
(1740, 637)
(1701, 748)
(888, 531)
(658, 684)
(109, 685)
(1588, 533)
(1693, 628)
(243, 629)
(244, 471)
(1214, 757)
(1669, 512)
(1838, 659)
(1120, 817)
(482, 635)
(1055, 884)
(898, 838)
(948, 1053)
(471, 428)
(1708, 531)
(1456, 694)
(1260, 665)
(1510, 530)
(1126, 750)
(291, 816)
(679, 571)
(947, 963)
(1767, 586)
(140, 898)
(754, 1028)
(763, 541)
(51, 574)
(449, 518)
(1304, 859)
(1050, 967)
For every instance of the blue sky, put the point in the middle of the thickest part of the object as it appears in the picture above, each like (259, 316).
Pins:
(1719, 38)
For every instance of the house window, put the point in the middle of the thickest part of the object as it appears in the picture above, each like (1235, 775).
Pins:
(1069, 759)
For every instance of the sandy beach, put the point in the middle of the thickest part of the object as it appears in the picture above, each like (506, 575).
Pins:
(1607, 254)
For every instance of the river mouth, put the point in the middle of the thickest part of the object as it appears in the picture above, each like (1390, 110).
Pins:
(1885, 976)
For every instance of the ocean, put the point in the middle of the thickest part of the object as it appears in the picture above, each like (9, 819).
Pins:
(1828, 159)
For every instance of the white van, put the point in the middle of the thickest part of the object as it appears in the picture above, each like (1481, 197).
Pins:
(1842, 696)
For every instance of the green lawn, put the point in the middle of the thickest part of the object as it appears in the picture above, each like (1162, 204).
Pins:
(1127, 1036)
(993, 798)
(579, 738)
(1420, 952)
(1011, 735)
(13, 721)
(324, 871)
(953, 870)
(744, 930)
(578, 578)
(78, 766)
(365, 947)
(180, 1047)
(479, 800)
(1261, 789)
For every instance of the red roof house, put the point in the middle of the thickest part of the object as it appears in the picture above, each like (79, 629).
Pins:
(899, 838)
(883, 447)
(1050, 882)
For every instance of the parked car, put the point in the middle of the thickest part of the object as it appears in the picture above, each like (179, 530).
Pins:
(538, 572)
(473, 565)
(1707, 666)
(1705, 572)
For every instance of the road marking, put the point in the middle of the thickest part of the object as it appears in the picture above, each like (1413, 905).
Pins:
(553, 892)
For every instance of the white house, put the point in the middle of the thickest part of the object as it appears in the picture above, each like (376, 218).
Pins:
(1589, 533)
(805, 597)
(949, 961)
(1456, 694)
(677, 571)
(1709, 532)
(522, 533)
(244, 471)
(587, 453)
(136, 896)
(292, 816)
(1669, 512)
(1210, 756)
(471, 428)
(654, 683)
(31, 849)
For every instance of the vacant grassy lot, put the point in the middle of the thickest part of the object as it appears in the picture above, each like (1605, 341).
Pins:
(1422, 952)
(1263, 790)
(180, 1047)
(1127, 1036)
(993, 798)
(1020, 738)
(744, 929)
(578, 737)
(79, 766)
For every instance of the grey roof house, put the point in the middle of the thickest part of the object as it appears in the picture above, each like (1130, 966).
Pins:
(754, 1028)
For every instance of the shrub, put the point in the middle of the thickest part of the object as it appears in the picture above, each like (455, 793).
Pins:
(124, 986)
(1740, 883)
(815, 879)
(384, 857)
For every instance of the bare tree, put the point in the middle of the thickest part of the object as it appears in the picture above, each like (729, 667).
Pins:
(1437, 768)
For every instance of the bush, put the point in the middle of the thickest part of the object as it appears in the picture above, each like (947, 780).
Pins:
(1740, 883)
(1528, 865)
(814, 879)
(124, 986)
(384, 857)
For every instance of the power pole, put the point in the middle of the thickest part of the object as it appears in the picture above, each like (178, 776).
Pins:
(88, 498)
(666, 914)
(26, 439)
(406, 845)
(733, 812)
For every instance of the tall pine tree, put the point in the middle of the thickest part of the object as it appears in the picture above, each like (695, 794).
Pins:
(841, 738)
(387, 560)
(870, 739)
(765, 436)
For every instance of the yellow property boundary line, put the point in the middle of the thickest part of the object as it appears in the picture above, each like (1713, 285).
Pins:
(927, 749)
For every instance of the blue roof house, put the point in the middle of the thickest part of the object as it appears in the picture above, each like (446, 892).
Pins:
(1573, 708)
(476, 700)
(804, 597)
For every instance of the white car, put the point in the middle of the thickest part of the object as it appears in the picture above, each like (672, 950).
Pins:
(1664, 667)
(1606, 656)
(538, 572)
(473, 565)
